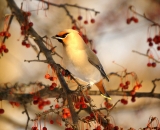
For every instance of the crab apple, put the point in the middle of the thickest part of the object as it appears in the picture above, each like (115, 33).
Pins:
(7, 34)
(24, 43)
(48, 102)
(3, 47)
(28, 13)
(6, 50)
(128, 20)
(121, 85)
(79, 17)
(64, 116)
(158, 48)
(2, 33)
(44, 128)
(116, 128)
(35, 102)
(149, 39)
(77, 105)
(124, 101)
(54, 84)
(28, 45)
(133, 98)
(74, 27)
(51, 87)
(150, 44)
(153, 64)
(51, 122)
(92, 20)
(149, 64)
(30, 24)
(40, 106)
(156, 39)
(125, 87)
(34, 128)
(127, 82)
(85, 22)
(84, 106)
(1, 110)
(135, 20)
(57, 106)
(47, 76)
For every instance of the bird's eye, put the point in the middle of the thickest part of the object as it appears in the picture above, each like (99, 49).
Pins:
(64, 35)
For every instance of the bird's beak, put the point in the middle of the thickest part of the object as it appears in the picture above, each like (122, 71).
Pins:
(56, 37)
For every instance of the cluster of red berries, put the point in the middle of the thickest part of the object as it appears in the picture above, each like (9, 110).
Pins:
(40, 102)
(81, 103)
(153, 64)
(5, 34)
(51, 78)
(24, 43)
(3, 49)
(14, 103)
(66, 113)
(155, 40)
(129, 20)
(85, 21)
(124, 101)
(125, 86)
(26, 25)
(108, 105)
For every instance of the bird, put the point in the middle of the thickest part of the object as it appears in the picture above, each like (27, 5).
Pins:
(81, 61)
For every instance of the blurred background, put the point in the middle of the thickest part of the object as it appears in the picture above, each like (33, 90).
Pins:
(113, 40)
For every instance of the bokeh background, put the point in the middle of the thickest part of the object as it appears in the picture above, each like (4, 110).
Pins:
(113, 39)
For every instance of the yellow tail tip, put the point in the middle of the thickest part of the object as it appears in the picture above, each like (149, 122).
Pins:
(109, 98)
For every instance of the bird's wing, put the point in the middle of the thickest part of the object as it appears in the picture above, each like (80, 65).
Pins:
(93, 59)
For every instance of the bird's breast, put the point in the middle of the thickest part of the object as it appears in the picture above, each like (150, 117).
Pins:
(76, 61)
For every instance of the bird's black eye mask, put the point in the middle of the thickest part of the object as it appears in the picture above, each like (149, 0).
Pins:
(63, 36)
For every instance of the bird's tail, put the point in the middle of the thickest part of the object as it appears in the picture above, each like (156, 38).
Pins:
(102, 90)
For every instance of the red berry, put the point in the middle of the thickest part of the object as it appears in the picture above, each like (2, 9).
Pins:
(28, 45)
(135, 20)
(149, 64)
(44, 128)
(47, 76)
(116, 128)
(64, 116)
(22, 27)
(121, 85)
(125, 87)
(77, 105)
(79, 18)
(30, 24)
(51, 87)
(51, 79)
(128, 21)
(57, 106)
(156, 39)
(127, 82)
(51, 122)
(35, 102)
(28, 13)
(54, 84)
(1, 110)
(24, 43)
(92, 20)
(3, 47)
(153, 64)
(40, 106)
(48, 102)
(7, 34)
(149, 39)
(2, 33)
(6, 50)
(158, 48)
(150, 44)
(84, 106)
(74, 27)
(133, 98)
(85, 22)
